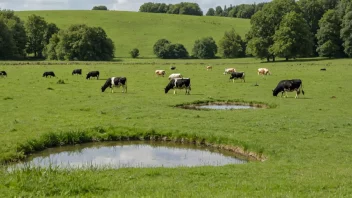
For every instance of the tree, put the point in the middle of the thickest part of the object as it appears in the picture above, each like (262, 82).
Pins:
(211, 12)
(50, 50)
(218, 11)
(101, 7)
(346, 33)
(134, 53)
(205, 48)
(164, 49)
(80, 42)
(328, 35)
(230, 46)
(264, 23)
(17, 31)
(7, 45)
(159, 47)
(293, 37)
(50, 30)
(36, 28)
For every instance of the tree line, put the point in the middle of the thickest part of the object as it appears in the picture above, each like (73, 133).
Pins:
(41, 39)
(245, 11)
(180, 8)
(290, 29)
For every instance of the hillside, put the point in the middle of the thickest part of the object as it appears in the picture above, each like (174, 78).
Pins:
(141, 30)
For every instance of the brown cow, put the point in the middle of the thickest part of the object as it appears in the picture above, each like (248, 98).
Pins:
(209, 68)
(160, 72)
(263, 71)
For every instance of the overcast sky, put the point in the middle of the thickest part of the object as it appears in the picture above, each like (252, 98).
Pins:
(126, 5)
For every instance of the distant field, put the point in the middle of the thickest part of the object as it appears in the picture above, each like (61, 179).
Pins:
(307, 141)
(131, 30)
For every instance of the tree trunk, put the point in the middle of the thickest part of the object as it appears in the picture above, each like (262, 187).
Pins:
(268, 59)
(273, 58)
(286, 58)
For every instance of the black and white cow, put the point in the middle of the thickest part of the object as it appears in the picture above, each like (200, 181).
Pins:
(237, 75)
(172, 67)
(49, 73)
(77, 71)
(179, 83)
(3, 73)
(93, 74)
(115, 82)
(285, 86)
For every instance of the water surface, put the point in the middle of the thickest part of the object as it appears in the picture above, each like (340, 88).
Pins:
(225, 107)
(131, 154)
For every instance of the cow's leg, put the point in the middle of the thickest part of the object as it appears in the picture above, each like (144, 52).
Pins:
(112, 89)
(174, 91)
(233, 80)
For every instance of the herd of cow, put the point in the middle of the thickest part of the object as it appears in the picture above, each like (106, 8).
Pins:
(177, 81)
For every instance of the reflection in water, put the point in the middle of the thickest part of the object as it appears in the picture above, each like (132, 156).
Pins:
(131, 154)
(225, 107)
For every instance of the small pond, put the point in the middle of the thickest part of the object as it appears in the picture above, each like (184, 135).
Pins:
(131, 154)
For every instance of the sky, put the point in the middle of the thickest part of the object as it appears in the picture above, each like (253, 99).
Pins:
(122, 5)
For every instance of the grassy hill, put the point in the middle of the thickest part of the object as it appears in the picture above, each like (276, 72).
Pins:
(131, 30)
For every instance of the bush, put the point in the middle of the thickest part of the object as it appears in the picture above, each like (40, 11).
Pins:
(101, 7)
(164, 49)
(134, 53)
(205, 48)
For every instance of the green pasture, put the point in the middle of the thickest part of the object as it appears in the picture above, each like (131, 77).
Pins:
(307, 141)
(130, 30)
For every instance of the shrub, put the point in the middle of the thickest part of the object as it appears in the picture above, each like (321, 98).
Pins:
(134, 53)
(101, 7)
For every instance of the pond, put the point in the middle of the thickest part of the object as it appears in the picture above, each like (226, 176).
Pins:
(131, 154)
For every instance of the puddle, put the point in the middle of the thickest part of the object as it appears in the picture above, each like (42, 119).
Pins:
(130, 154)
(225, 107)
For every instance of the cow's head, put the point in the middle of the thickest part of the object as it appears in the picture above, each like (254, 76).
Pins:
(275, 92)
(87, 76)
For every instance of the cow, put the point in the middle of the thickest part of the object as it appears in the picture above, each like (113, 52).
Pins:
(264, 71)
(236, 75)
(172, 76)
(209, 68)
(93, 74)
(115, 82)
(160, 72)
(229, 70)
(179, 83)
(172, 67)
(77, 71)
(49, 73)
(289, 85)
(3, 73)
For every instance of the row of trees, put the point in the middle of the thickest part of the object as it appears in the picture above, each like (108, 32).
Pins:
(230, 46)
(180, 8)
(239, 11)
(41, 39)
(284, 28)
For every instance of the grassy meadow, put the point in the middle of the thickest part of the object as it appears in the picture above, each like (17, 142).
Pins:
(130, 30)
(307, 141)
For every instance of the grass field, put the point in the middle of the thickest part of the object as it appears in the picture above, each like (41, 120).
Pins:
(307, 141)
(130, 30)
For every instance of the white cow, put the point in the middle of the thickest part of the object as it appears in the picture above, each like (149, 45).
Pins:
(264, 71)
(229, 70)
(172, 76)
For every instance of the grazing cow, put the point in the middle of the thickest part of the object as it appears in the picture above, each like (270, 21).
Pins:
(93, 74)
(172, 67)
(289, 85)
(160, 72)
(3, 73)
(264, 71)
(172, 76)
(209, 68)
(115, 82)
(49, 73)
(77, 71)
(229, 70)
(236, 75)
(179, 83)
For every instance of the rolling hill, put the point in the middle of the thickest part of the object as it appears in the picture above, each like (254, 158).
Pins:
(131, 30)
